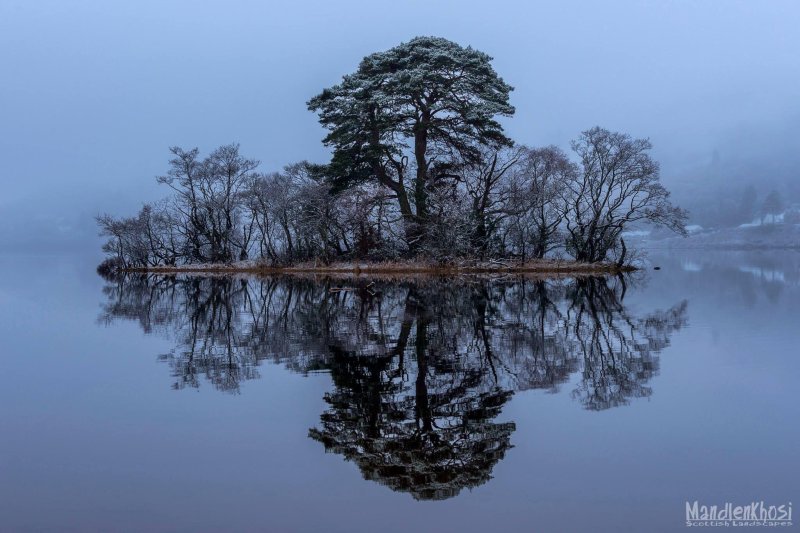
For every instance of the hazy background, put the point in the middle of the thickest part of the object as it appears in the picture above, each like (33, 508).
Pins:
(93, 94)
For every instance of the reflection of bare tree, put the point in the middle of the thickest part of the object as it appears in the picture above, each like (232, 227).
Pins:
(521, 335)
(222, 327)
(526, 325)
(421, 370)
(620, 352)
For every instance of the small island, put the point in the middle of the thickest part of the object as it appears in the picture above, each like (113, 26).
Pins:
(422, 179)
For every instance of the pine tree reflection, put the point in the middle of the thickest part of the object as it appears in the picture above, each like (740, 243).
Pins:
(419, 418)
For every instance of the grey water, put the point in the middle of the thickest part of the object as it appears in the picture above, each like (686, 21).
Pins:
(157, 403)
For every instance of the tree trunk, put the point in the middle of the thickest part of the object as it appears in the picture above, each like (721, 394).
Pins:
(623, 253)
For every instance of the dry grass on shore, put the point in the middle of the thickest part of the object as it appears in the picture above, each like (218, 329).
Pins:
(546, 267)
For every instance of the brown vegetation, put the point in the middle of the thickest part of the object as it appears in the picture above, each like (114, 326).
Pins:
(544, 268)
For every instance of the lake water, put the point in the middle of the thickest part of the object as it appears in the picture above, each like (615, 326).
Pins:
(208, 404)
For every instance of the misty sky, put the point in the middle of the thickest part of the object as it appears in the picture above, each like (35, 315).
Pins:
(94, 93)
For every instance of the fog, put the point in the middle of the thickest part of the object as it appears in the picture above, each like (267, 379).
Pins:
(93, 94)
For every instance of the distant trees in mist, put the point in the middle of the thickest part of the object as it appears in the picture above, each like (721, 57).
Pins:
(737, 203)
(772, 206)
(420, 168)
(752, 207)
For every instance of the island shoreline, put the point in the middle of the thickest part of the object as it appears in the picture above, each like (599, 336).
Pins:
(542, 268)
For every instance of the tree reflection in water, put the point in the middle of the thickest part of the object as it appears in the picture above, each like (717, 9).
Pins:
(421, 368)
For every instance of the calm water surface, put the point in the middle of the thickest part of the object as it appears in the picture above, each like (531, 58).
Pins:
(154, 403)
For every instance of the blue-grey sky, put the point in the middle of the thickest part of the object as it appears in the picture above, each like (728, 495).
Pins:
(93, 93)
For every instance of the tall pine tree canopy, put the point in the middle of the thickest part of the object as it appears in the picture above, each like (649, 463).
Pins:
(415, 109)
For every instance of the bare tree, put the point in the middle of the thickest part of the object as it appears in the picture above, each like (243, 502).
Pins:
(127, 239)
(487, 184)
(618, 185)
(210, 194)
(538, 202)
